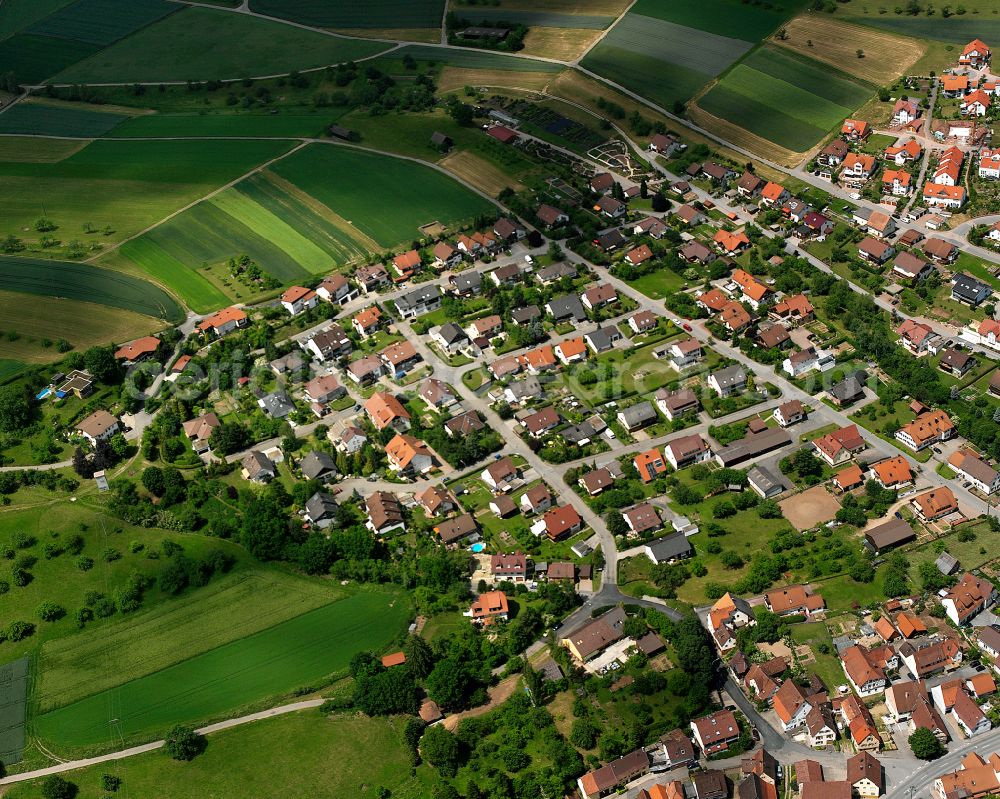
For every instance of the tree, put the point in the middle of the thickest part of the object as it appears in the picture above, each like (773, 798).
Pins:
(265, 527)
(15, 410)
(449, 683)
(183, 743)
(55, 787)
(384, 692)
(616, 523)
(418, 655)
(769, 509)
(440, 748)
(925, 744)
(659, 202)
(102, 364)
(229, 437)
(584, 734)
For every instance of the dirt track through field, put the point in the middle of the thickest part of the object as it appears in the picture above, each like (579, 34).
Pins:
(499, 694)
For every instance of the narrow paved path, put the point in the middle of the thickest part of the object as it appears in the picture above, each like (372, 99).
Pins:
(152, 746)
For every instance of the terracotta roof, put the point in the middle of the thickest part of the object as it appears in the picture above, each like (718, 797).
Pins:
(383, 409)
(937, 502)
(395, 659)
(893, 471)
(136, 349)
(788, 700)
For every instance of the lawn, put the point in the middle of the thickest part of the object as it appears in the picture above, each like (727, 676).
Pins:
(739, 20)
(636, 373)
(185, 46)
(349, 14)
(399, 196)
(659, 284)
(118, 188)
(87, 283)
(35, 118)
(826, 666)
(82, 325)
(256, 760)
(296, 653)
(249, 599)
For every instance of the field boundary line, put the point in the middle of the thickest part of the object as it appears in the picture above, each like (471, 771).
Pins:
(72, 765)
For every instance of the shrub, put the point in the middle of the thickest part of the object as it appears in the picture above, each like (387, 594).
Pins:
(50, 611)
(83, 563)
(183, 743)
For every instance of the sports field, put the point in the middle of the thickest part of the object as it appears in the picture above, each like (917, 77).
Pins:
(229, 608)
(784, 98)
(13, 709)
(35, 118)
(88, 283)
(332, 756)
(289, 655)
(398, 196)
(834, 41)
(352, 14)
(81, 324)
(124, 186)
(184, 46)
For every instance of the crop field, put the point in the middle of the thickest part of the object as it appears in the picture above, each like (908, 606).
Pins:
(229, 608)
(608, 8)
(479, 172)
(13, 709)
(121, 186)
(32, 59)
(783, 98)
(352, 14)
(294, 653)
(101, 22)
(34, 118)
(662, 60)
(183, 46)
(566, 44)
(16, 15)
(835, 41)
(739, 20)
(32, 150)
(87, 283)
(255, 760)
(957, 29)
(400, 196)
(82, 325)
(288, 234)
(283, 124)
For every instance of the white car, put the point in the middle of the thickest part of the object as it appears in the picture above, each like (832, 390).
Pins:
(610, 434)
(854, 196)
(528, 259)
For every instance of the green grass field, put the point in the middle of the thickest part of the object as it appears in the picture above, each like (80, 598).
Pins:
(474, 59)
(35, 118)
(750, 22)
(198, 293)
(399, 196)
(338, 756)
(956, 29)
(88, 283)
(185, 46)
(784, 98)
(101, 22)
(348, 14)
(125, 186)
(33, 150)
(13, 709)
(273, 662)
(282, 124)
(249, 599)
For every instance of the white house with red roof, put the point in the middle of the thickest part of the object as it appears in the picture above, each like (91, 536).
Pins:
(297, 299)
(975, 54)
(976, 103)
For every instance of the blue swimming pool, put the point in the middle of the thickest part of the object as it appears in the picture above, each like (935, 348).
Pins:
(478, 547)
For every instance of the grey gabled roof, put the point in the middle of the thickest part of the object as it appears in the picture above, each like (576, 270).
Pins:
(574, 434)
(452, 333)
(467, 281)
(850, 386)
(639, 413)
(670, 546)
(603, 338)
(567, 305)
(730, 376)
(969, 287)
(321, 506)
(316, 463)
(419, 296)
(277, 404)
(764, 479)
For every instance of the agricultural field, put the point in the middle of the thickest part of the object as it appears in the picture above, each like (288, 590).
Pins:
(369, 752)
(565, 44)
(474, 59)
(33, 150)
(479, 172)
(980, 23)
(13, 709)
(400, 196)
(784, 98)
(664, 61)
(115, 189)
(31, 117)
(535, 18)
(290, 234)
(289, 124)
(834, 41)
(289, 655)
(81, 324)
(16, 15)
(350, 14)
(87, 283)
(184, 46)
(249, 599)
(733, 18)
(49, 43)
